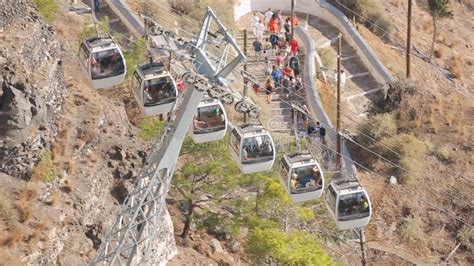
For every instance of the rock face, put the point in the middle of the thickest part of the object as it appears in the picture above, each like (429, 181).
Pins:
(32, 87)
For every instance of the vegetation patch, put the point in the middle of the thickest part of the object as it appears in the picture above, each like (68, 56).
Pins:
(151, 128)
(47, 9)
(409, 152)
(328, 57)
(328, 100)
(287, 248)
(135, 55)
(377, 127)
(45, 170)
(412, 230)
(371, 13)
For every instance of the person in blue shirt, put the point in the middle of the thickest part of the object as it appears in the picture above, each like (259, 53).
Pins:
(276, 75)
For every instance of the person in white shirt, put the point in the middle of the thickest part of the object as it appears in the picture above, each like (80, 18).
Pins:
(343, 78)
(254, 23)
(268, 16)
(259, 31)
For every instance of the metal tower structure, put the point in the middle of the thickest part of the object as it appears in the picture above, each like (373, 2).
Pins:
(136, 237)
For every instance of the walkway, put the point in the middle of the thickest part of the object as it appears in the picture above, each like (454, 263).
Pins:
(361, 88)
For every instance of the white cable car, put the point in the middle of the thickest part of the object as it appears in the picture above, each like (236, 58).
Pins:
(252, 148)
(210, 121)
(103, 62)
(154, 88)
(301, 176)
(348, 203)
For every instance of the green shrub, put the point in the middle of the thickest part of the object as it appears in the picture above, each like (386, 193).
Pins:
(47, 9)
(412, 230)
(288, 248)
(409, 152)
(151, 128)
(44, 170)
(328, 57)
(378, 127)
(135, 55)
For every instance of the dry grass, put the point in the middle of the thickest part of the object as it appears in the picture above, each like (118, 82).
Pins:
(328, 100)
(6, 208)
(455, 66)
(16, 233)
(71, 167)
(53, 198)
(25, 202)
(8, 258)
(38, 230)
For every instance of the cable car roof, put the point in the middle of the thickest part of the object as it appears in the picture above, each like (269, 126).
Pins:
(152, 69)
(300, 157)
(345, 186)
(208, 102)
(96, 42)
(255, 129)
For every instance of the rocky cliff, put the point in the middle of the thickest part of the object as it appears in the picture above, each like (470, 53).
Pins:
(32, 86)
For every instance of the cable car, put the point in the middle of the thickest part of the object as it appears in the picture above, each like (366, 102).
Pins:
(252, 148)
(103, 62)
(154, 88)
(210, 121)
(301, 176)
(348, 203)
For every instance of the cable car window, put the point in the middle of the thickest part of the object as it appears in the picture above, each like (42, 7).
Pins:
(284, 172)
(209, 119)
(136, 84)
(159, 91)
(84, 55)
(235, 141)
(108, 63)
(305, 178)
(331, 198)
(257, 149)
(353, 206)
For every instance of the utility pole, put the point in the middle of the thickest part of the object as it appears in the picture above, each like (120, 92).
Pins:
(363, 257)
(408, 38)
(292, 18)
(338, 119)
(246, 82)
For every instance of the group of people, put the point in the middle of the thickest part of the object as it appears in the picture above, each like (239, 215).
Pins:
(256, 148)
(106, 64)
(284, 71)
(158, 91)
(309, 178)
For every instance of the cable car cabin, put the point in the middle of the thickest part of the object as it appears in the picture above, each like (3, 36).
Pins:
(252, 148)
(301, 176)
(103, 62)
(210, 121)
(154, 89)
(348, 203)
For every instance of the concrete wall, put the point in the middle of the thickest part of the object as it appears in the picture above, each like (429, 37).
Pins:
(315, 101)
(325, 11)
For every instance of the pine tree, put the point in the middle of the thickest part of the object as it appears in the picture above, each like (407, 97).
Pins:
(438, 9)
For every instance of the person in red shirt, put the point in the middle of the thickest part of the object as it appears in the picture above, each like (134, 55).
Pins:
(294, 21)
(294, 46)
(287, 71)
(273, 25)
